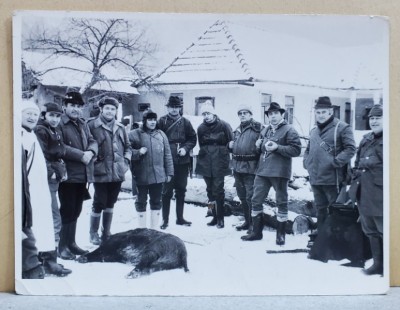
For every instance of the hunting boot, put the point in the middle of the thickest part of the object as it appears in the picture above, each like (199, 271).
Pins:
(280, 233)
(49, 261)
(73, 247)
(166, 205)
(34, 273)
(247, 218)
(142, 219)
(107, 220)
(154, 218)
(258, 225)
(63, 249)
(214, 215)
(94, 228)
(180, 204)
(377, 256)
(220, 213)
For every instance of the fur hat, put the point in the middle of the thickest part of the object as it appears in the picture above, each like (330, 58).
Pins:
(52, 107)
(28, 104)
(149, 113)
(108, 100)
(323, 103)
(74, 98)
(245, 107)
(207, 107)
(274, 106)
(174, 102)
(376, 110)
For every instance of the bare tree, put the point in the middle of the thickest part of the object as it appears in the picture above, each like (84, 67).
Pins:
(101, 45)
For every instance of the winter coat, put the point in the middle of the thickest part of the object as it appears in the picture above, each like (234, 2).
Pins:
(180, 135)
(114, 151)
(77, 139)
(157, 164)
(40, 198)
(26, 197)
(324, 167)
(53, 148)
(278, 163)
(213, 158)
(368, 174)
(245, 154)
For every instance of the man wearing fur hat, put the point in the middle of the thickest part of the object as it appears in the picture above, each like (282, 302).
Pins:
(110, 165)
(80, 149)
(245, 157)
(182, 139)
(278, 143)
(152, 166)
(326, 157)
(367, 185)
(214, 136)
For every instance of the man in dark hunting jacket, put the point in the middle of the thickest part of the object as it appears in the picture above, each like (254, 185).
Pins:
(245, 157)
(279, 142)
(182, 139)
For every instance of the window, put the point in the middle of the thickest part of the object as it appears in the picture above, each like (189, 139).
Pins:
(143, 106)
(265, 102)
(200, 101)
(289, 107)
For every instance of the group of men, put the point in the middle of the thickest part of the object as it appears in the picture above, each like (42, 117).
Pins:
(100, 151)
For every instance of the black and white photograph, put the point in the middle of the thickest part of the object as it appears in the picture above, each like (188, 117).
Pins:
(166, 154)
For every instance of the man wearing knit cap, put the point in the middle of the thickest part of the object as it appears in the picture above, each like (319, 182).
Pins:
(182, 139)
(329, 151)
(245, 157)
(278, 143)
(367, 185)
(80, 149)
(110, 165)
(214, 136)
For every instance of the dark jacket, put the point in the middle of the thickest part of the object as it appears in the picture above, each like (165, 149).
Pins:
(368, 172)
(53, 148)
(77, 139)
(245, 154)
(324, 167)
(213, 158)
(181, 135)
(114, 155)
(154, 166)
(279, 162)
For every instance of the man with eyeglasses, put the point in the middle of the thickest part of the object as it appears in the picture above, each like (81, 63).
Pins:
(245, 157)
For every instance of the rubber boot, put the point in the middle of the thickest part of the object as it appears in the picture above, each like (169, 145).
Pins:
(214, 219)
(154, 218)
(220, 213)
(107, 220)
(142, 219)
(49, 261)
(247, 218)
(73, 247)
(63, 251)
(180, 204)
(256, 233)
(94, 228)
(166, 205)
(280, 233)
(377, 256)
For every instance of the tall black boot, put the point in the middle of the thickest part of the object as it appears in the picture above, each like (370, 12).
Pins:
(107, 220)
(94, 228)
(73, 247)
(322, 214)
(220, 213)
(377, 256)
(280, 233)
(214, 219)
(258, 225)
(166, 205)
(247, 218)
(49, 261)
(63, 246)
(180, 204)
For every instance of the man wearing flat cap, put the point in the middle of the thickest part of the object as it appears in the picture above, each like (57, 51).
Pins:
(80, 149)
(245, 157)
(110, 165)
(329, 151)
(278, 143)
(182, 139)
(367, 184)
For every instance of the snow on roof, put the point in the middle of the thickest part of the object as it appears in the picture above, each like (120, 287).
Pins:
(75, 72)
(228, 51)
